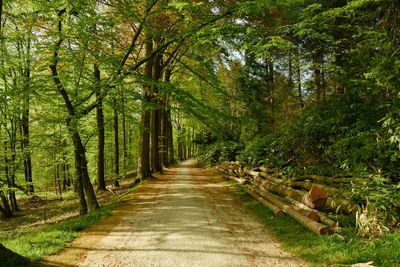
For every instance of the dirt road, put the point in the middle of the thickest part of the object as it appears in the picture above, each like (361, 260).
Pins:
(182, 218)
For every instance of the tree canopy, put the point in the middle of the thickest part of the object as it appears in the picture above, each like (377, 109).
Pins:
(93, 90)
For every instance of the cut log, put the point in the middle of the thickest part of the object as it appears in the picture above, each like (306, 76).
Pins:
(277, 211)
(272, 177)
(310, 213)
(340, 205)
(315, 198)
(324, 218)
(252, 173)
(282, 190)
(241, 181)
(308, 185)
(307, 222)
(326, 179)
(336, 204)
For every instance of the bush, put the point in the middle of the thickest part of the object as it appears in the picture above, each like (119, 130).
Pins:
(218, 152)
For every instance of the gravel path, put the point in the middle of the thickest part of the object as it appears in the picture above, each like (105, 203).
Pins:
(184, 217)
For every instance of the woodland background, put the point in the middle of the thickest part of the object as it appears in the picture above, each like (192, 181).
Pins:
(97, 90)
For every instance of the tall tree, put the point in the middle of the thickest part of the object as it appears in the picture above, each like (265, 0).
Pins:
(143, 168)
(85, 187)
(116, 145)
(101, 184)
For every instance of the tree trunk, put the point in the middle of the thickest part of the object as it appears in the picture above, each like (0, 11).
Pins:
(116, 145)
(315, 198)
(317, 63)
(79, 179)
(298, 70)
(25, 133)
(163, 136)
(169, 142)
(277, 211)
(307, 222)
(124, 148)
(101, 184)
(5, 206)
(271, 94)
(155, 116)
(170, 138)
(9, 174)
(84, 185)
(143, 168)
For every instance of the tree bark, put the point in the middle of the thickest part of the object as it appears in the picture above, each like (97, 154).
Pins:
(163, 136)
(307, 222)
(9, 168)
(85, 187)
(277, 211)
(124, 148)
(318, 83)
(25, 124)
(143, 167)
(101, 184)
(155, 115)
(170, 138)
(169, 141)
(116, 145)
(298, 70)
(5, 208)
(315, 198)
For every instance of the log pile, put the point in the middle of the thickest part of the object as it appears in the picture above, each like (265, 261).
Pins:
(309, 199)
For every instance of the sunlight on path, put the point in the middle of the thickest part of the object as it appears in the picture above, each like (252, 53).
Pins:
(182, 218)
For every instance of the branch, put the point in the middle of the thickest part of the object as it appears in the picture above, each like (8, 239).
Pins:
(134, 39)
(54, 68)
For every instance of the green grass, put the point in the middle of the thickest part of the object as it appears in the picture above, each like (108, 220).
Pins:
(325, 250)
(48, 240)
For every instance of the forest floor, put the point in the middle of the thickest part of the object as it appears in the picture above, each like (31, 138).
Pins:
(184, 217)
(49, 208)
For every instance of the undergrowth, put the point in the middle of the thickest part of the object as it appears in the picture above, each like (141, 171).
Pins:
(346, 248)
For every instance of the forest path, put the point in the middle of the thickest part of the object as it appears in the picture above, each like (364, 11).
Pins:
(184, 217)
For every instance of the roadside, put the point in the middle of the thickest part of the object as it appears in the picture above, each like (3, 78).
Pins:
(47, 208)
(31, 240)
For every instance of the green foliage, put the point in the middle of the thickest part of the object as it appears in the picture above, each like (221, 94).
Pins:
(218, 152)
(260, 150)
(382, 196)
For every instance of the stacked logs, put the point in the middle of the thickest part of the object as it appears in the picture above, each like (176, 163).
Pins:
(308, 199)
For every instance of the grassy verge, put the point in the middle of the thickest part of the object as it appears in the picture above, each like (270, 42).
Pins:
(50, 239)
(325, 250)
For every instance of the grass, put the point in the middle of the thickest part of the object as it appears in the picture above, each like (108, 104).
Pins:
(50, 239)
(331, 250)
